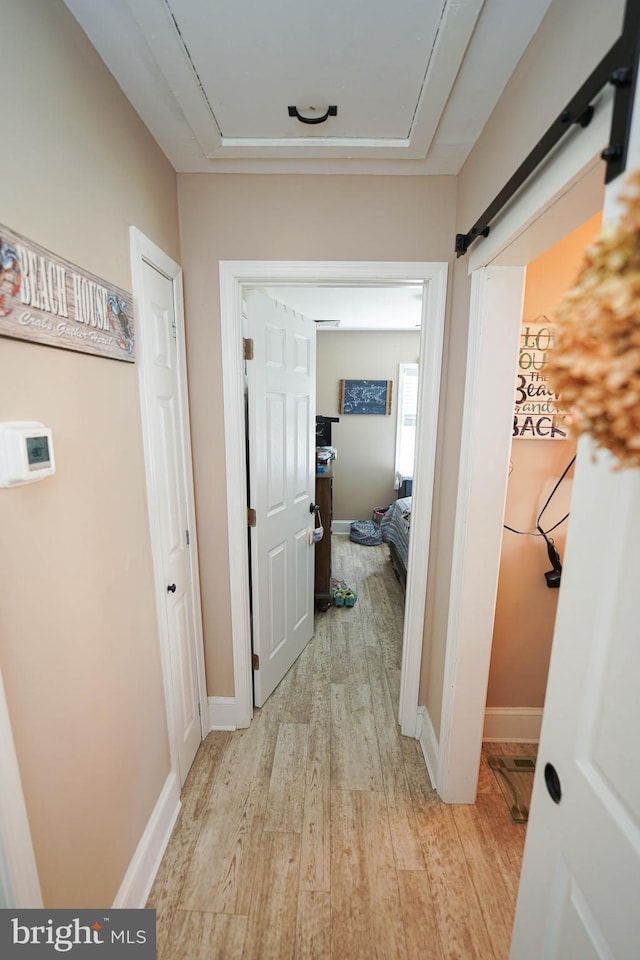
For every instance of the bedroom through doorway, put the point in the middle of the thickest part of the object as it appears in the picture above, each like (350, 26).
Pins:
(235, 278)
(368, 338)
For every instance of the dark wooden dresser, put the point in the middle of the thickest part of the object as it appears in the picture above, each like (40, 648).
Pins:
(324, 499)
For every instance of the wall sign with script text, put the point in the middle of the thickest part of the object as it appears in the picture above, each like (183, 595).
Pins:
(538, 413)
(48, 300)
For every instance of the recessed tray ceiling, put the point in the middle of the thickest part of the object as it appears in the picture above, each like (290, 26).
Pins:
(413, 80)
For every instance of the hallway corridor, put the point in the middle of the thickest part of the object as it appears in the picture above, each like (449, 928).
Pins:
(315, 834)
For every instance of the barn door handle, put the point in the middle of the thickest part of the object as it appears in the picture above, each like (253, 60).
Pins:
(171, 588)
(552, 781)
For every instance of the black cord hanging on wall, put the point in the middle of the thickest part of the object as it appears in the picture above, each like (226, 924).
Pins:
(552, 577)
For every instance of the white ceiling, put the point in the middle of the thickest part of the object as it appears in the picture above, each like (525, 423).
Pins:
(356, 308)
(414, 81)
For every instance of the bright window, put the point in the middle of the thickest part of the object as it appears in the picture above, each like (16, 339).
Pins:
(407, 414)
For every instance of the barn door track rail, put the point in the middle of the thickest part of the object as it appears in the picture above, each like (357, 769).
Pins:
(620, 68)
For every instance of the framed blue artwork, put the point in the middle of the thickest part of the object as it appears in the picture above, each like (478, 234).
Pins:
(365, 396)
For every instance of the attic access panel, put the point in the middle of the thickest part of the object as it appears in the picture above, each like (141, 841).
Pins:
(369, 57)
(213, 79)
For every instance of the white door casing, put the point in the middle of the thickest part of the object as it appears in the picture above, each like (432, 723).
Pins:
(538, 217)
(580, 878)
(234, 276)
(281, 431)
(157, 287)
(494, 336)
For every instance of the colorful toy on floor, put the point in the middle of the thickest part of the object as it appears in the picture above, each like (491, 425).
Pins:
(342, 595)
(350, 596)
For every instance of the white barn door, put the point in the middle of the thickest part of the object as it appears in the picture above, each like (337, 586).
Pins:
(578, 894)
(580, 879)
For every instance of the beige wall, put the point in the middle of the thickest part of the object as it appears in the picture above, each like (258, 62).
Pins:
(227, 217)
(78, 641)
(571, 40)
(366, 445)
(525, 606)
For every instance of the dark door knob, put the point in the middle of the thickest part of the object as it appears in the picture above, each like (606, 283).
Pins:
(171, 588)
(312, 507)
(552, 781)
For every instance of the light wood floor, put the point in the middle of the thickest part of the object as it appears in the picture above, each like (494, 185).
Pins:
(315, 833)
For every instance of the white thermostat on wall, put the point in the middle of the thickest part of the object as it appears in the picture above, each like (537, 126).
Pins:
(26, 452)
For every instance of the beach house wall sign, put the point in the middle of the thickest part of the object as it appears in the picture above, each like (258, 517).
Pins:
(46, 299)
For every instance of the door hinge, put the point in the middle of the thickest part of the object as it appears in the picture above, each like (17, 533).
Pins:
(247, 348)
(188, 538)
(251, 517)
(199, 709)
(255, 661)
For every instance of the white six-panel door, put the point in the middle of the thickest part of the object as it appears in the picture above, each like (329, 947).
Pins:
(281, 431)
(157, 344)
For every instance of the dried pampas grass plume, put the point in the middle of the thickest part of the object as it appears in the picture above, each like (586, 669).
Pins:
(595, 363)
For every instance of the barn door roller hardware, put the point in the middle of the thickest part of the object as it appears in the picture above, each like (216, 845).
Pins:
(331, 112)
(620, 68)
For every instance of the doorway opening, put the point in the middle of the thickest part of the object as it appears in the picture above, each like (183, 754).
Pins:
(497, 291)
(362, 336)
(541, 450)
(538, 498)
(234, 276)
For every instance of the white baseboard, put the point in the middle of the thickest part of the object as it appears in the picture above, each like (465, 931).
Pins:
(518, 724)
(222, 713)
(429, 743)
(138, 880)
(341, 526)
